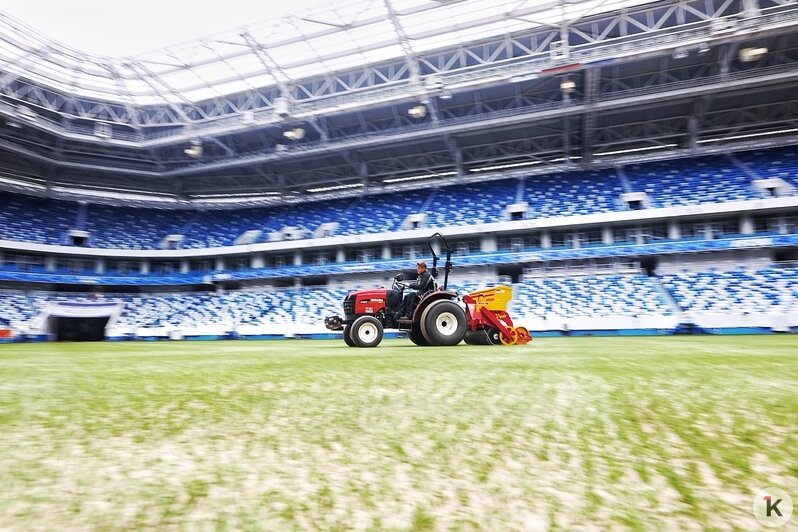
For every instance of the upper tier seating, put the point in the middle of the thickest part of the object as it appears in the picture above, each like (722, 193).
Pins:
(376, 214)
(131, 228)
(669, 183)
(29, 219)
(691, 182)
(471, 204)
(781, 162)
(573, 194)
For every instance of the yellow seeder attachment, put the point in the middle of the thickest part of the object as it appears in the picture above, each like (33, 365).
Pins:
(495, 298)
(486, 310)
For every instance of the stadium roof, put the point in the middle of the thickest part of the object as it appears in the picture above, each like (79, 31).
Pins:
(475, 91)
(276, 52)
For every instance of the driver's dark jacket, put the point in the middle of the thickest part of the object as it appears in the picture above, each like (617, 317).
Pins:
(423, 282)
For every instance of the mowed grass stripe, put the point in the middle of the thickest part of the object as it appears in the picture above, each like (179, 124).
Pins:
(588, 433)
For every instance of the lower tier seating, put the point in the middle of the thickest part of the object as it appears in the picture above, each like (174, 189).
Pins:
(736, 292)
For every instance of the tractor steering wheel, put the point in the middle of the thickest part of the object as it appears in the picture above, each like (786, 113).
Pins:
(398, 285)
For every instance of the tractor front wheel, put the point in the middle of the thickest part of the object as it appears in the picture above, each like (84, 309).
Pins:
(348, 336)
(366, 332)
(443, 323)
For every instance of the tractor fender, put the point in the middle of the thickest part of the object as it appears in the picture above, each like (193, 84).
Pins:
(429, 298)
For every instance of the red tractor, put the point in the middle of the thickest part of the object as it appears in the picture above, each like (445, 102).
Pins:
(440, 317)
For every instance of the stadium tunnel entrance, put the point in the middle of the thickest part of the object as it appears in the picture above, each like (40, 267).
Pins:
(649, 265)
(513, 271)
(71, 329)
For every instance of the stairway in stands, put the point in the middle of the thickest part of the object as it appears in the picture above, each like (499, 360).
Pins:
(667, 297)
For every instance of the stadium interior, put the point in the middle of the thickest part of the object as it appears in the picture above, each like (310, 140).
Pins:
(202, 321)
(627, 167)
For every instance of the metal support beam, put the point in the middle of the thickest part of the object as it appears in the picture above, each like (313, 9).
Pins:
(592, 77)
(750, 8)
(363, 173)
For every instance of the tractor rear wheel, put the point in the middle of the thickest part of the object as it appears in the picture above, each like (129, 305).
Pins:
(416, 337)
(443, 323)
(348, 336)
(366, 332)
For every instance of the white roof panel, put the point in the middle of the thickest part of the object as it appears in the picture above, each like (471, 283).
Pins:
(340, 36)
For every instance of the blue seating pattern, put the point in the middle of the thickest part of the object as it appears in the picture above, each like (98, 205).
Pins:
(573, 194)
(188, 310)
(738, 291)
(781, 162)
(376, 214)
(691, 182)
(705, 180)
(765, 290)
(131, 228)
(15, 309)
(29, 219)
(471, 204)
(592, 295)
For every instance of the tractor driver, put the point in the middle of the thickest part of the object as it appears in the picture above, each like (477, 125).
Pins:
(423, 283)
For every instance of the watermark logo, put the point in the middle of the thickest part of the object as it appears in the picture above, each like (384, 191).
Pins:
(772, 507)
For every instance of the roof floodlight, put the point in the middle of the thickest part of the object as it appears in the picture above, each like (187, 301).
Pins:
(568, 86)
(752, 54)
(703, 48)
(195, 149)
(418, 111)
(297, 133)
(680, 53)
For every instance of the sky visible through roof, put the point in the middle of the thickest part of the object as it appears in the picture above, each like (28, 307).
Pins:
(241, 45)
(123, 28)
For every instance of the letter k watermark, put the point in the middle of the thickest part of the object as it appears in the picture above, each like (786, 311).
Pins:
(772, 507)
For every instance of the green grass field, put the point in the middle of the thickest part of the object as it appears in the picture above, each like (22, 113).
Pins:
(567, 433)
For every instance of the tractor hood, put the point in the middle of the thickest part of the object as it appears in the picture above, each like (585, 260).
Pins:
(368, 295)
